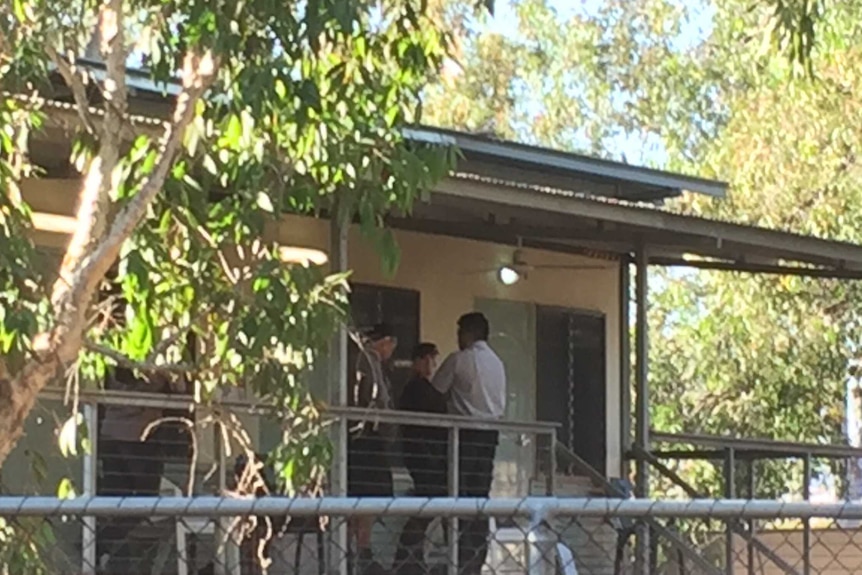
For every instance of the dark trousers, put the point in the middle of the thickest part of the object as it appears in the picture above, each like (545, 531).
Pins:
(128, 468)
(429, 480)
(475, 472)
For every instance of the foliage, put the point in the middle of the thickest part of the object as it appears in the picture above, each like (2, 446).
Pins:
(22, 546)
(278, 108)
(731, 354)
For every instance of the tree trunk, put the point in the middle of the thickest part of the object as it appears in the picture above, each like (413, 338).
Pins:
(91, 252)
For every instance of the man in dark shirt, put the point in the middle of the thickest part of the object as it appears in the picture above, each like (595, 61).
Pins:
(425, 454)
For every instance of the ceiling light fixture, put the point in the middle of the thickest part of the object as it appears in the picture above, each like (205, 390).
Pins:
(508, 276)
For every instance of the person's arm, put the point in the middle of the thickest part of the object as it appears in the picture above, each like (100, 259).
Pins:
(445, 376)
(365, 385)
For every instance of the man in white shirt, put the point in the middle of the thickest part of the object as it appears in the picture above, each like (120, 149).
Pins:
(475, 380)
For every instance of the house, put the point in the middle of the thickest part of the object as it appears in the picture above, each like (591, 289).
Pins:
(548, 245)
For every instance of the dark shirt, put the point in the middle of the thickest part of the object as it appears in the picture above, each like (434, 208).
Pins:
(420, 395)
(425, 447)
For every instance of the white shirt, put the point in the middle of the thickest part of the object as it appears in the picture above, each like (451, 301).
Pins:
(475, 380)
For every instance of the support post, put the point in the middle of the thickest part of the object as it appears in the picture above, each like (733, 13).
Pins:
(625, 367)
(338, 257)
(730, 493)
(642, 402)
(454, 489)
(91, 467)
(228, 553)
(752, 526)
(552, 458)
(806, 533)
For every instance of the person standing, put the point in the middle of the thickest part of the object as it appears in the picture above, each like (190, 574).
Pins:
(369, 444)
(425, 453)
(475, 380)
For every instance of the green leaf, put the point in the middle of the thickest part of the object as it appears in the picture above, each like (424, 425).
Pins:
(66, 490)
(264, 202)
(233, 133)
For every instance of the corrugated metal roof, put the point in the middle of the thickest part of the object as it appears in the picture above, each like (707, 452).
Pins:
(73, 109)
(534, 165)
(622, 202)
(676, 233)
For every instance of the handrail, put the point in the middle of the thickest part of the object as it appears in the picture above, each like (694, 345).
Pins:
(437, 420)
(666, 471)
(766, 447)
(736, 527)
(179, 401)
(598, 478)
(563, 452)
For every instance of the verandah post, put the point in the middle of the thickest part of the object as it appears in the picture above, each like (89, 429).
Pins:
(642, 400)
(338, 258)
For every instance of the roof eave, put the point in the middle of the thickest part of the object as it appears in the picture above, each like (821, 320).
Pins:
(507, 152)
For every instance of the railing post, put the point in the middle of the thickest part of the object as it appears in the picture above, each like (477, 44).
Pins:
(806, 533)
(730, 493)
(91, 472)
(751, 524)
(552, 473)
(228, 551)
(454, 488)
(653, 551)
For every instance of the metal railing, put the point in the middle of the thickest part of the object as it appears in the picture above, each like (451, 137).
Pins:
(527, 444)
(181, 535)
(677, 545)
(525, 459)
(732, 453)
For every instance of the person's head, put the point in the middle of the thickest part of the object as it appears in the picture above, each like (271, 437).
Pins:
(383, 340)
(472, 327)
(425, 359)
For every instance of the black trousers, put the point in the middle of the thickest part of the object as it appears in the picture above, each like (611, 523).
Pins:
(475, 472)
(429, 474)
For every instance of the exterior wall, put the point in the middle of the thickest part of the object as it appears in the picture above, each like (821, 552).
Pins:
(447, 272)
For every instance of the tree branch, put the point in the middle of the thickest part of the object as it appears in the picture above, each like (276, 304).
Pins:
(77, 83)
(94, 202)
(83, 279)
(84, 267)
(145, 366)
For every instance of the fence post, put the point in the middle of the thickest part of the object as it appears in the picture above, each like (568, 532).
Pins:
(806, 533)
(454, 488)
(91, 472)
(730, 493)
(552, 472)
(751, 524)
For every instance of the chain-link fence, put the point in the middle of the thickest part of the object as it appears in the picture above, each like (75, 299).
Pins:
(416, 536)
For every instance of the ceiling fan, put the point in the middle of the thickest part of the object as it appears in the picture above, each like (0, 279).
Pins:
(511, 271)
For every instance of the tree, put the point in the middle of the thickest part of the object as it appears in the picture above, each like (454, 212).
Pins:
(291, 107)
(741, 355)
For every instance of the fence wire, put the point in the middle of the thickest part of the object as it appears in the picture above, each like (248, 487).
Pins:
(419, 536)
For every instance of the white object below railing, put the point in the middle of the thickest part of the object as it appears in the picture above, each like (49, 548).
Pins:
(566, 560)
